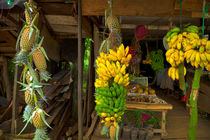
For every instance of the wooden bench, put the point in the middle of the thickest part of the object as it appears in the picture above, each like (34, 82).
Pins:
(153, 107)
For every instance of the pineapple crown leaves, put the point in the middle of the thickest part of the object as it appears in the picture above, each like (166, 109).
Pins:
(43, 118)
(41, 134)
(29, 120)
(27, 113)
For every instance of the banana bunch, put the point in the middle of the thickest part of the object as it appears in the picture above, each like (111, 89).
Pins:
(121, 55)
(197, 51)
(173, 72)
(173, 32)
(191, 41)
(175, 57)
(157, 60)
(109, 70)
(110, 84)
(191, 29)
(110, 103)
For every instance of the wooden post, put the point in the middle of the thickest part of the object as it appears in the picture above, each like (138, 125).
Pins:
(14, 107)
(91, 77)
(6, 80)
(163, 123)
(79, 71)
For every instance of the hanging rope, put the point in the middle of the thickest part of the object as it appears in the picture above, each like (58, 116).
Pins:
(205, 10)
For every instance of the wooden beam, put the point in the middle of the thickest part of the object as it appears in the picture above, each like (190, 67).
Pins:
(57, 1)
(61, 19)
(190, 5)
(7, 49)
(57, 8)
(128, 8)
(8, 28)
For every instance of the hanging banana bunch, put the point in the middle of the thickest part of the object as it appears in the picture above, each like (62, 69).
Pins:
(186, 46)
(31, 51)
(111, 88)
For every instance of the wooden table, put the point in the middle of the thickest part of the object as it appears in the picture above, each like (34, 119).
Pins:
(153, 107)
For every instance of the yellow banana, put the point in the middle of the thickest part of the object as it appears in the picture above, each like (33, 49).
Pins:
(173, 73)
(119, 55)
(169, 52)
(201, 64)
(120, 80)
(207, 56)
(196, 64)
(187, 47)
(179, 45)
(197, 58)
(204, 41)
(201, 49)
(185, 71)
(122, 70)
(126, 75)
(112, 57)
(116, 78)
(112, 52)
(126, 84)
(192, 57)
(169, 71)
(208, 47)
(194, 35)
(126, 50)
(174, 39)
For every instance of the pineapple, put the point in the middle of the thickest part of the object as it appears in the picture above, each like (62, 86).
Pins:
(29, 97)
(37, 119)
(113, 23)
(25, 45)
(29, 78)
(41, 64)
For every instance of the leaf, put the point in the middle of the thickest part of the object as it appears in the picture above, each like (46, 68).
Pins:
(45, 54)
(25, 85)
(26, 124)
(31, 32)
(41, 41)
(40, 92)
(18, 39)
(24, 21)
(24, 73)
(43, 119)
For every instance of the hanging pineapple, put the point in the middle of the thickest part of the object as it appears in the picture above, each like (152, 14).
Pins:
(113, 23)
(30, 51)
(40, 63)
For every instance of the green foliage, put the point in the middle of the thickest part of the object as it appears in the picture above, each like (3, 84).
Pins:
(157, 60)
(87, 54)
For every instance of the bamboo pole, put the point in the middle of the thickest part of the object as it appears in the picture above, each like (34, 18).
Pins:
(79, 71)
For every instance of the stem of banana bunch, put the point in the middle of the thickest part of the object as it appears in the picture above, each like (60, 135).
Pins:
(194, 94)
(193, 105)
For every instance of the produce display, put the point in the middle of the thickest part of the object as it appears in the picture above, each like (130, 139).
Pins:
(31, 51)
(152, 99)
(140, 89)
(111, 88)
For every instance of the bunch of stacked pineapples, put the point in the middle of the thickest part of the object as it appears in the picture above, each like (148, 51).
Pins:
(31, 52)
